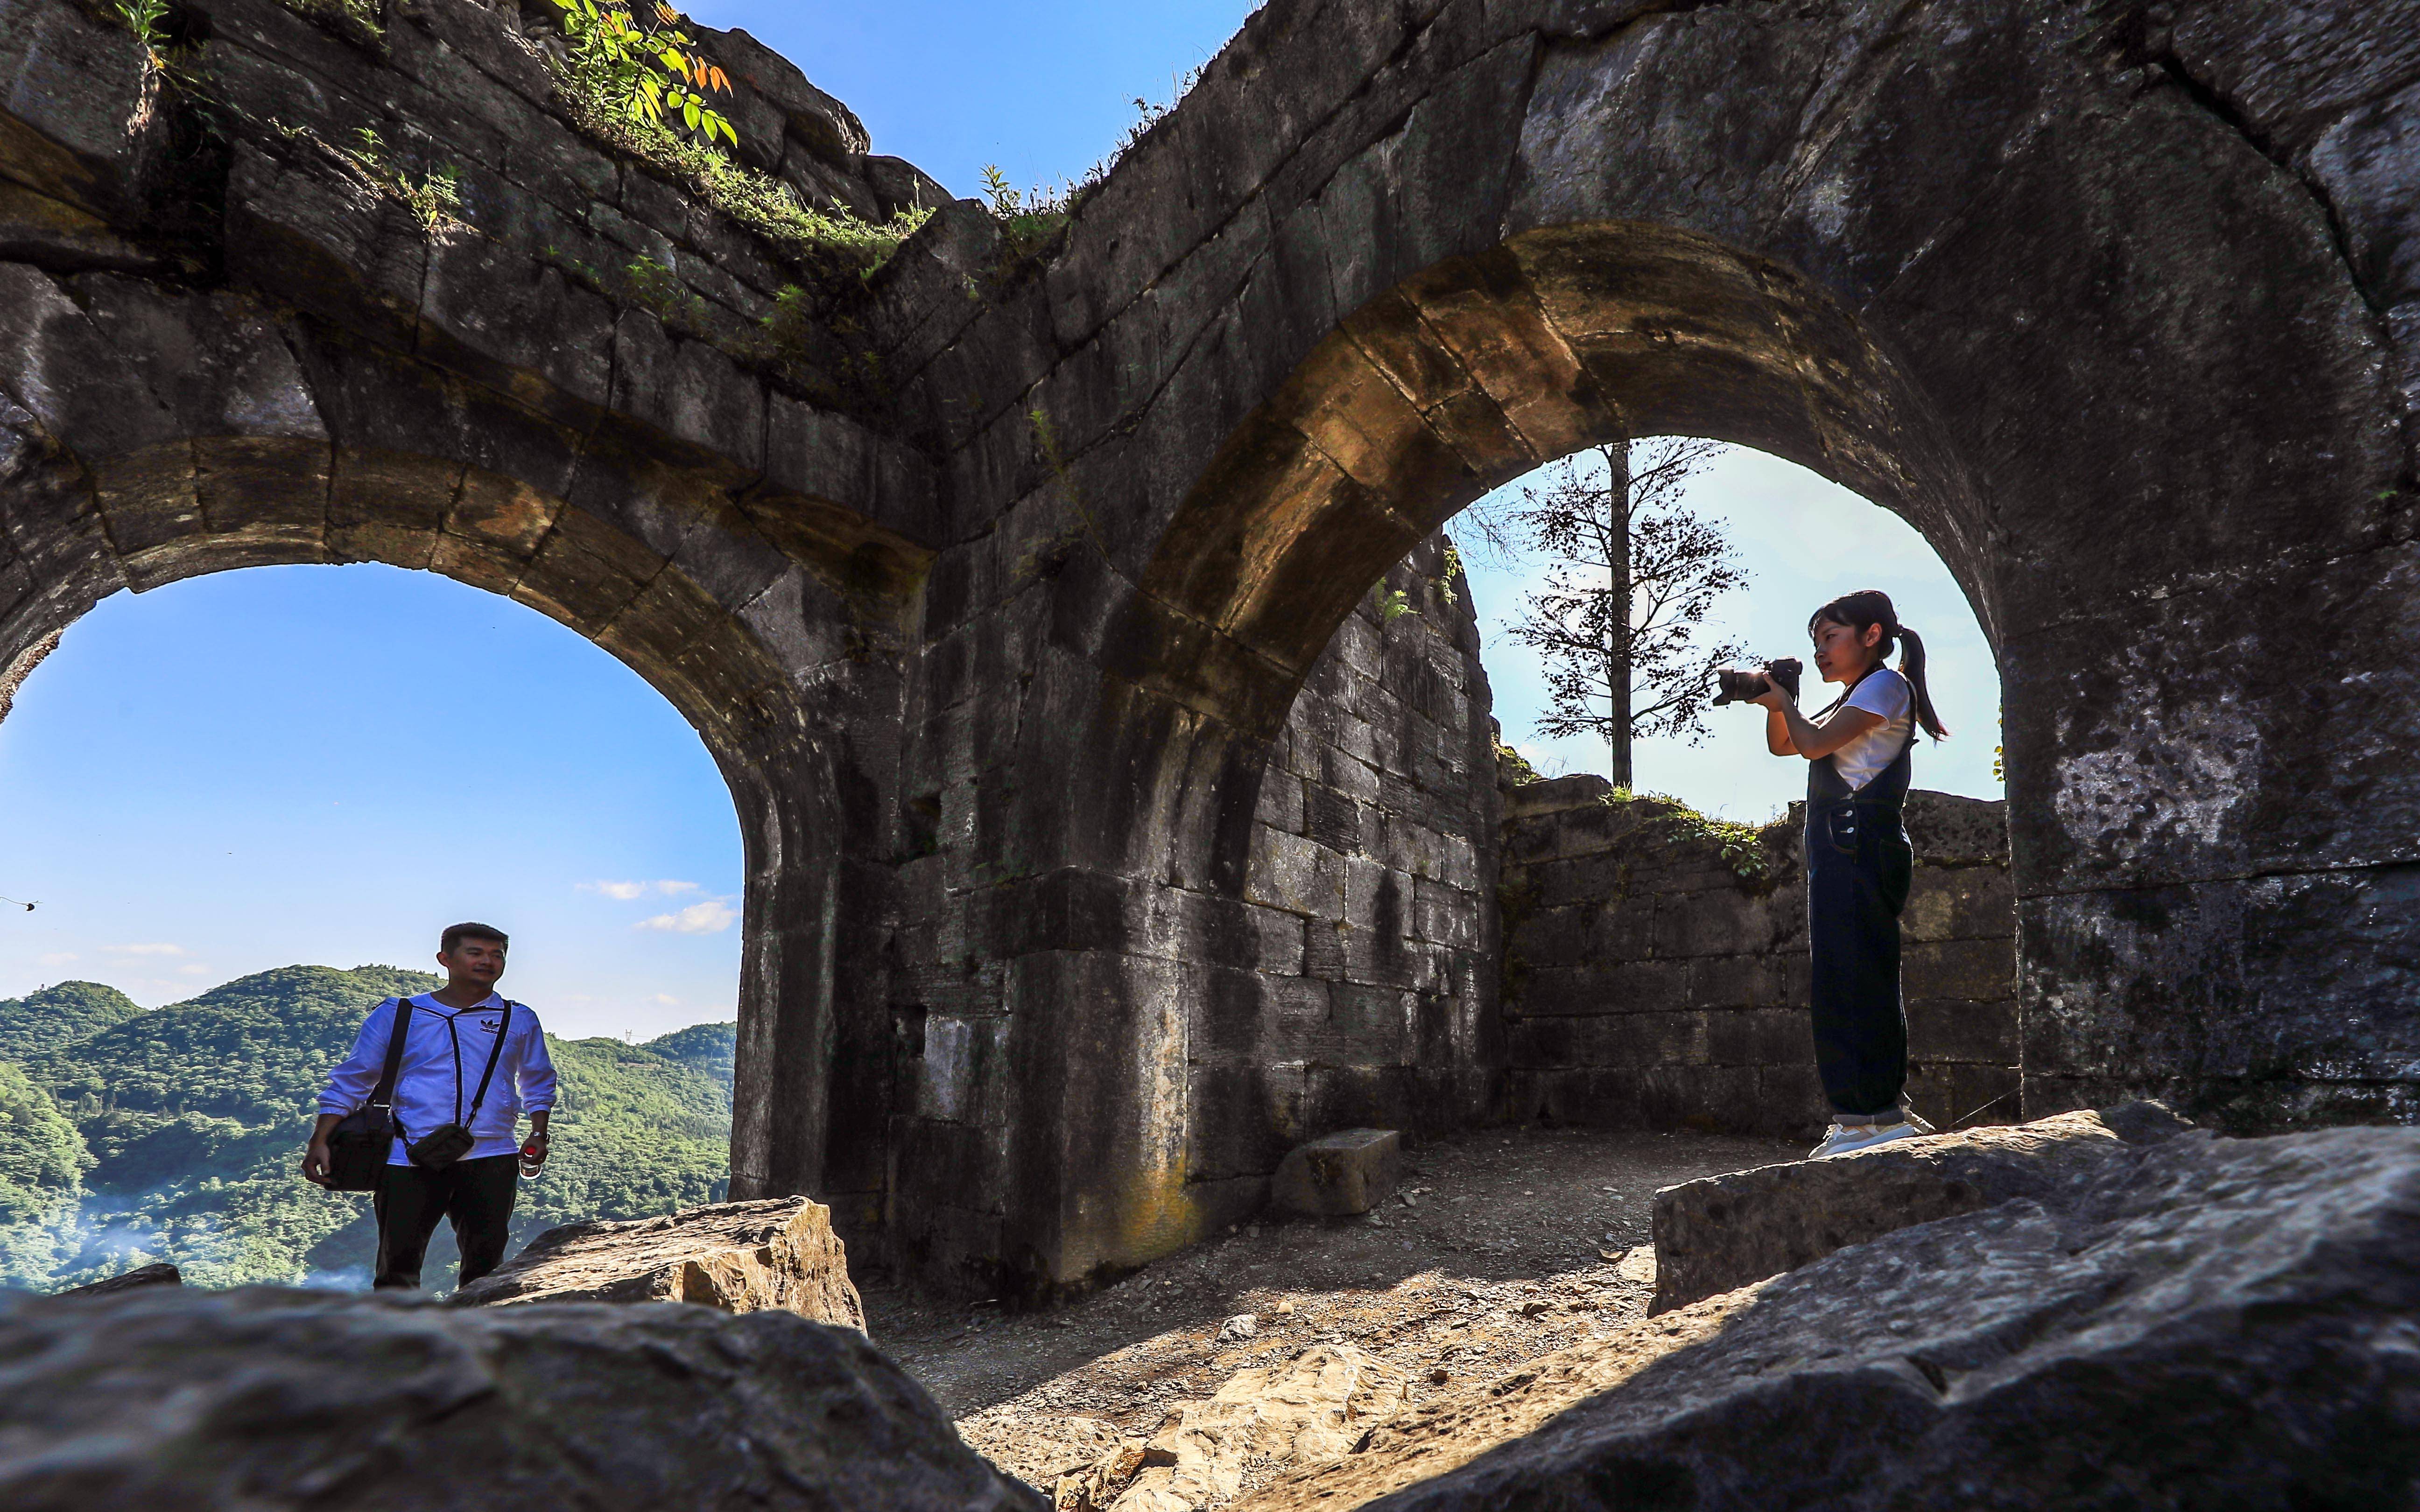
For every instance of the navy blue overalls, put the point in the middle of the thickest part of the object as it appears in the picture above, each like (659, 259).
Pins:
(1858, 867)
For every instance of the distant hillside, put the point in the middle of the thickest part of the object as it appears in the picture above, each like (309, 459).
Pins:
(707, 1046)
(175, 1133)
(59, 1015)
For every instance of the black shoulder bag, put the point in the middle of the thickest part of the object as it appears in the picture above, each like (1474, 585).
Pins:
(446, 1144)
(359, 1143)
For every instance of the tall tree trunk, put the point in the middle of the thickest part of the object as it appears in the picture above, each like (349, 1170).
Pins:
(1616, 653)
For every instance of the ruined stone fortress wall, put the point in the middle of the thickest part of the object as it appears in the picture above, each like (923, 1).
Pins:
(1353, 983)
(1652, 980)
(993, 580)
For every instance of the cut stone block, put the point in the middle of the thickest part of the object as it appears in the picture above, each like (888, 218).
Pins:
(1338, 1174)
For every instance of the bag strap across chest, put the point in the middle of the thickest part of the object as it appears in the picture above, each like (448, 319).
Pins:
(495, 1053)
(383, 1096)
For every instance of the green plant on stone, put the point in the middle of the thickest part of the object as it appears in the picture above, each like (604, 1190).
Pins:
(1028, 217)
(434, 198)
(1747, 850)
(1443, 583)
(1393, 605)
(144, 18)
(631, 85)
(647, 72)
(818, 241)
(655, 288)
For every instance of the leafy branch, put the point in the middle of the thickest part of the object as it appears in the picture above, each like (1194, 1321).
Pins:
(645, 71)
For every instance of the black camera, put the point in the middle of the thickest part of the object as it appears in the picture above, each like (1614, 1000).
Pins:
(1738, 684)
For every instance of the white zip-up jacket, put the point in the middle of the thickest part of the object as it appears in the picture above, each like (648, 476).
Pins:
(443, 1052)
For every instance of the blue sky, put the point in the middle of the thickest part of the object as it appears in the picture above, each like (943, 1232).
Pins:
(326, 765)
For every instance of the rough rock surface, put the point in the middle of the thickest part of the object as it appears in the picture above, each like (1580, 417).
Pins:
(1339, 1174)
(1720, 1232)
(2210, 1322)
(1306, 1410)
(265, 1397)
(739, 1256)
(162, 1274)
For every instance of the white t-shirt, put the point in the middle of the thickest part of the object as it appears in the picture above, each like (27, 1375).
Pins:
(1883, 692)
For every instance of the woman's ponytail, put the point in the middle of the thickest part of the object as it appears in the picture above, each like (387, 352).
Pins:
(1871, 606)
(1911, 666)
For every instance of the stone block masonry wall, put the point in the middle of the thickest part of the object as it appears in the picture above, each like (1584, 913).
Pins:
(1648, 984)
(1374, 848)
(1352, 982)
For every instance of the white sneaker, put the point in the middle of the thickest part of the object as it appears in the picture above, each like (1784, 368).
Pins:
(1849, 1138)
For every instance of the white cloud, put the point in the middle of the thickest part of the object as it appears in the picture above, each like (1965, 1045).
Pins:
(154, 949)
(628, 891)
(668, 999)
(711, 917)
(195, 970)
(57, 958)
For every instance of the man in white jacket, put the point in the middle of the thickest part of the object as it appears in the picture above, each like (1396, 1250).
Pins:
(449, 1036)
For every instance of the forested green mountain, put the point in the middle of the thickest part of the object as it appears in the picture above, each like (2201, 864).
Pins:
(128, 1137)
(59, 1015)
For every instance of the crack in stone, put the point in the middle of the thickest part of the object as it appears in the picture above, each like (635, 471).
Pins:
(2219, 108)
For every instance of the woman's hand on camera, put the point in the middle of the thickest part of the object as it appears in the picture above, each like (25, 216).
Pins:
(1772, 697)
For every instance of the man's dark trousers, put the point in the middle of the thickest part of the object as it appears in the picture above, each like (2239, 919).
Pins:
(478, 1194)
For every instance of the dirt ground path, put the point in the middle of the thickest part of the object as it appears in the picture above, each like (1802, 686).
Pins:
(1510, 1248)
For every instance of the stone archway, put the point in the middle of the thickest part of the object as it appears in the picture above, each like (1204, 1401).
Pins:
(206, 433)
(2052, 330)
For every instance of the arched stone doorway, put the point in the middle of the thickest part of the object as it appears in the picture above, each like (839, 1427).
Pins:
(2052, 331)
(207, 433)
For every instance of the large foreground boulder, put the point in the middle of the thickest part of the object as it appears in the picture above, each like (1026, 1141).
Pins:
(2209, 1322)
(1722, 1232)
(739, 1256)
(266, 1398)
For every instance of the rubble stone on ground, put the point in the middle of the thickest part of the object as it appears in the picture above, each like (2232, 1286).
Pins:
(1312, 1408)
(1339, 1174)
(1725, 1231)
(739, 1256)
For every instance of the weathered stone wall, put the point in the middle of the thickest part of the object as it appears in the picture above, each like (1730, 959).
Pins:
(1353, 983)
(1376, 841)
(1649, 984)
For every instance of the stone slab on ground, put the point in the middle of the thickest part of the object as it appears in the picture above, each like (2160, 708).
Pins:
(1339, 1174)
(739, 1256)
(1720, 1232)
(159, 1275)
(2208, 1322)
(267, 1397)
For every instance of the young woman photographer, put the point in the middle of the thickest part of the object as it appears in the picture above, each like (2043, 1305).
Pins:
(1858, 864)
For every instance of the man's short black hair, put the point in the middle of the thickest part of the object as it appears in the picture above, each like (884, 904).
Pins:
(455, 932)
